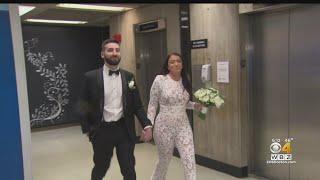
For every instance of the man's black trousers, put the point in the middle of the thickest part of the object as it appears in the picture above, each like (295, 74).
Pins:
(107, 137)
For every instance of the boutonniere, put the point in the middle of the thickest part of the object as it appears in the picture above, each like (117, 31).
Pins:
(131, 84)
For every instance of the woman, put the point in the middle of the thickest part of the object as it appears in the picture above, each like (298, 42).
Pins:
(172, 90)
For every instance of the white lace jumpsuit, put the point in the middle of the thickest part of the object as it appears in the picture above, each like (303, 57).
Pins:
(171, 126)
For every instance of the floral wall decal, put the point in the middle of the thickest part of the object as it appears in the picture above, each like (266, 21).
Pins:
(55, 86)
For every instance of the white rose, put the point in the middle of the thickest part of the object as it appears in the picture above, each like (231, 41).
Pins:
(218, 101)
(201, 93)
(131, 84)
(206, 98)
(212, 99)
(197, 94)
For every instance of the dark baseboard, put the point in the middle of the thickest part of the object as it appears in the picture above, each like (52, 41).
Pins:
(239, 172)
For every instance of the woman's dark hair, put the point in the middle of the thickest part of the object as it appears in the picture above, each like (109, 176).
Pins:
(185, 81)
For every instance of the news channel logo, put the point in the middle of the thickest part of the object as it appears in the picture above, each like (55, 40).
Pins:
(281, 151)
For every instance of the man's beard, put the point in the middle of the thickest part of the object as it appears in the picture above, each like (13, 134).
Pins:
(112, 61)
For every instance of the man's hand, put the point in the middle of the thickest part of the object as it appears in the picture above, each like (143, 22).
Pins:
(146, 134)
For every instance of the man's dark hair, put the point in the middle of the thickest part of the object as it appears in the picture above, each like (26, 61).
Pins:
(107, 41)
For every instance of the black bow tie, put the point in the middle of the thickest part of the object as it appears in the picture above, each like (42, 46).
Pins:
(113, 72)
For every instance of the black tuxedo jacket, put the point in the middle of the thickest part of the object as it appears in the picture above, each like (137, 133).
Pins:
(91, 102)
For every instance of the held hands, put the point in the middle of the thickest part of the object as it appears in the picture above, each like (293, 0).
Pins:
(146, 134)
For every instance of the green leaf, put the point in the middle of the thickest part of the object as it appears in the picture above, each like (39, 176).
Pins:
(202, 116)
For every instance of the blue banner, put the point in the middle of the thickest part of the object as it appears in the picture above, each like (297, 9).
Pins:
(4, 7)
(11, 166)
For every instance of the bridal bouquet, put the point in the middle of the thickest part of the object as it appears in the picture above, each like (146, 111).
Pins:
(208, 97)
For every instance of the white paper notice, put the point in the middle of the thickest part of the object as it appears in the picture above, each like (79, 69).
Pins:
(223, 71)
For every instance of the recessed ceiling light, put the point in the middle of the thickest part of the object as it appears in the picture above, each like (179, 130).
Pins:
(24, 9)
(93, 7)
(55, 21)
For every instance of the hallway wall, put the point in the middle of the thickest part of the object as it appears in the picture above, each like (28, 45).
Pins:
(124, 24)
(56, 57)
(222, 136)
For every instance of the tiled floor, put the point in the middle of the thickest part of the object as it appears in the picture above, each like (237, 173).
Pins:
(66, 154)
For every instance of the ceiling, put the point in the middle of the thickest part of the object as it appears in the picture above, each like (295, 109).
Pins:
(52, 12)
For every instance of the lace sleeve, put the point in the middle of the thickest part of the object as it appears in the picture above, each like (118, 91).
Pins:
(190, 105)
(154, 99)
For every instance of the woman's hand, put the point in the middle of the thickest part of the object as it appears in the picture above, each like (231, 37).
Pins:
(198, 106)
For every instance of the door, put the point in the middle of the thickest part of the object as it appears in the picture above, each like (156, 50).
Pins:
(151, 51)
(286, 91)
(270, 91)
(304, 92)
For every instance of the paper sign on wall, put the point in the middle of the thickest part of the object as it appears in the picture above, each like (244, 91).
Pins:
(223, 71)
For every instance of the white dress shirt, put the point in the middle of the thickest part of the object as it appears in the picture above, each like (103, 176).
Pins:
(113, 108)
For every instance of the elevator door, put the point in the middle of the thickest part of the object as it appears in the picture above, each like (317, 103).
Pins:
(270, 91)
(304, 92)
(286, 91)
(151, 52)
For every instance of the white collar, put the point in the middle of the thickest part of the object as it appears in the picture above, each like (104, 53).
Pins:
(106, 68)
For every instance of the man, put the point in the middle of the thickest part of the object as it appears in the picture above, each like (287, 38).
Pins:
(109, 99)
